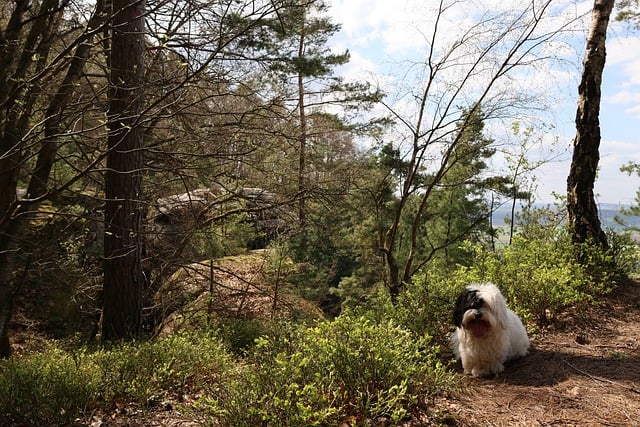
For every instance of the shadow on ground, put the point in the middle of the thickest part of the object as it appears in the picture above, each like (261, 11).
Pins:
(544, 367)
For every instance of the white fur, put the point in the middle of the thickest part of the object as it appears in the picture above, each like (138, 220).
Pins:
(505, 338)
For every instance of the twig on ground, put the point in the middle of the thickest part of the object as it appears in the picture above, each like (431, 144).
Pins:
(601, 379)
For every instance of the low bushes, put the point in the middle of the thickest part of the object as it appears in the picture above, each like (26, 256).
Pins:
(538, 277)
(350, 369)
(56, 386)
(541, 277)
(373, 361)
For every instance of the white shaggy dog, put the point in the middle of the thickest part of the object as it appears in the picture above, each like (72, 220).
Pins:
(487, 333)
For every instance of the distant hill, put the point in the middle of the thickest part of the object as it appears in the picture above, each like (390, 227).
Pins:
(607, 211)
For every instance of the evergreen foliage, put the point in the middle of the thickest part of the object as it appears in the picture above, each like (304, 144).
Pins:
(633, 210)
(373, 361)
(56, 386)
(342, 371)
(629, 11)
(346, 370)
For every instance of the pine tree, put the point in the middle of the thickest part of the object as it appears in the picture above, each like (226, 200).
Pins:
(123, 241)
(459, 209)
(301, 71)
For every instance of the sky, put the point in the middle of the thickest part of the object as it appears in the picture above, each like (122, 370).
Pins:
(384, 36)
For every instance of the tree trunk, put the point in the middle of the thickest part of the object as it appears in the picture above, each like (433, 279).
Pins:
(302, 162)
(18, 100)
(582, 210)
(123, 276)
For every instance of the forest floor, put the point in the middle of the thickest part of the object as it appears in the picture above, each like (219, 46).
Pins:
(585, 371)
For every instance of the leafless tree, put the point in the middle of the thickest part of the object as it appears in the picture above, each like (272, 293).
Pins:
(477, 69)
(581, 205)
(31, 61)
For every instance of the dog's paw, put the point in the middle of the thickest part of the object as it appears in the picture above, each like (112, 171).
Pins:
(479, 373)
(497, 368)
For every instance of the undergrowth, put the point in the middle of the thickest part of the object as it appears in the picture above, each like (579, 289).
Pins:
(348, 370)
(57, 386)
(541, 277)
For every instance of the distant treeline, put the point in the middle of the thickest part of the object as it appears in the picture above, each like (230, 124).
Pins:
(607, 211)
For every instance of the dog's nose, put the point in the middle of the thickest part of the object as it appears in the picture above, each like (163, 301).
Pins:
(478, 315)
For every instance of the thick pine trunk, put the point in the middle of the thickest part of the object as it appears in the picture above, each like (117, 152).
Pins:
(582, 209)
(123, 276)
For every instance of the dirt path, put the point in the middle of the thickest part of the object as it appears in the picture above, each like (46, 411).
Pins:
(585, 372)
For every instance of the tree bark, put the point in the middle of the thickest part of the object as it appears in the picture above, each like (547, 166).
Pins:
(581, 206)
(123, 241)
(302, 162)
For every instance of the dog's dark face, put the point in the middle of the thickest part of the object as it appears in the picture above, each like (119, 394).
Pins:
(469, 299)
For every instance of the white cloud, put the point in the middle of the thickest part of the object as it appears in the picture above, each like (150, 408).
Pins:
(632, 69)
(622, 50)
(634, 111)
(624, 97)
(359, 67)
(552, 179)
(632, 102)
(614, 152)
(364, 21)
(609, 185)
(622, 75)
(552, 176)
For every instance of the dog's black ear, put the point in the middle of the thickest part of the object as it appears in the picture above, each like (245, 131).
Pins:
(468, 299)
(460, 307)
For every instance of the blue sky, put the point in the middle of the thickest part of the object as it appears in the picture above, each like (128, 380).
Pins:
(382, 36)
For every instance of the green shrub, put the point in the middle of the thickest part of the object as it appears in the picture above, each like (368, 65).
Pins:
(348, 369)
(542, 276)
(141, 371)
(424, 307)
(56, 386)
(47, 388)
(538, 276)
(240, 334)
(625, 254)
